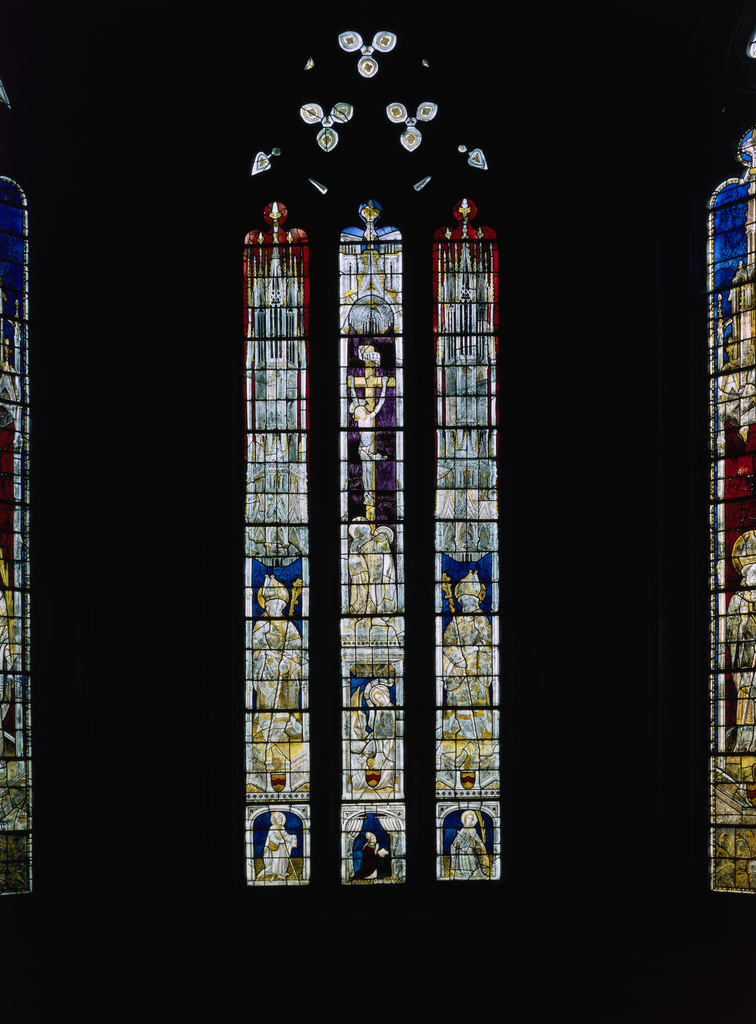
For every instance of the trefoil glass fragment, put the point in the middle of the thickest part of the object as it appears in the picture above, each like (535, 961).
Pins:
(411, 137)
(313, 113)
(476, 159)
(367, 65)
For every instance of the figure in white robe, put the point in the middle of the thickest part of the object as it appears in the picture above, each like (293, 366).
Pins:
(372, 574)
(277, 866)
(374, 732)
(468, 852)
(741, 639)
(276, 651)
(6, 656)
(467, 648)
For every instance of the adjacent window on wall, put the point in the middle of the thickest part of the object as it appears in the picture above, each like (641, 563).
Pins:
(276, 310)
(15, 740)
(465, 293)
(732, 356)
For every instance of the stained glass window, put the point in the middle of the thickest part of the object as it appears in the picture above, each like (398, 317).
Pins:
(15, 740)
(732, 361)
(372, 551)
(465, 283)
(405, 719)
(277, 553)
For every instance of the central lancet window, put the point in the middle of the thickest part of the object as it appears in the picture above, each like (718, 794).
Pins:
(372, 546)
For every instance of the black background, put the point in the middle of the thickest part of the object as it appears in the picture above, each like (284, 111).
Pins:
(132, 130)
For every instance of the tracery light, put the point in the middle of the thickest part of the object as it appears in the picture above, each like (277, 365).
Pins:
(732, 362)
(15, 738)
(476, 159)
(372, 552)
(411, 137)
(367, 65)
(465, 291)
(313, 113)
(262, 162)
(276, 310)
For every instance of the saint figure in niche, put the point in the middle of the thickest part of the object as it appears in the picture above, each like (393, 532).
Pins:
(741, 298)
(276, 648)
(469, 858)
(372, 574)
(277, 866)
(467, 645)
(374, 736)
(7, 703)
(741, 639)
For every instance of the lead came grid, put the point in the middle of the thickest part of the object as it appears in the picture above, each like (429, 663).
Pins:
(372, 552)
(465, 282)
(277, 568)
(732, 340)
(15, 664)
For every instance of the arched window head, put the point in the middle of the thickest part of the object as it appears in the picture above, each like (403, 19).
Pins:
(277, 565)
(15, 739)
(732, 361)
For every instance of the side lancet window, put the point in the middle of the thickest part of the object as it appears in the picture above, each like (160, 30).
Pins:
(277, 548)
(372, 552)
(465, 310)
(732, 360)
(15, 741)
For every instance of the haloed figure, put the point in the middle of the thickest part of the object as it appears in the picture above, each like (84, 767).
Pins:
(468, 851)
(277, 866)
(741, 638)
(365, 412)
(372, 573)
(374, 730)
(277, 649)
(467, 646)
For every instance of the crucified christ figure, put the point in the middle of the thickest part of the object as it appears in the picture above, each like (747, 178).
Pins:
(365, 411)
